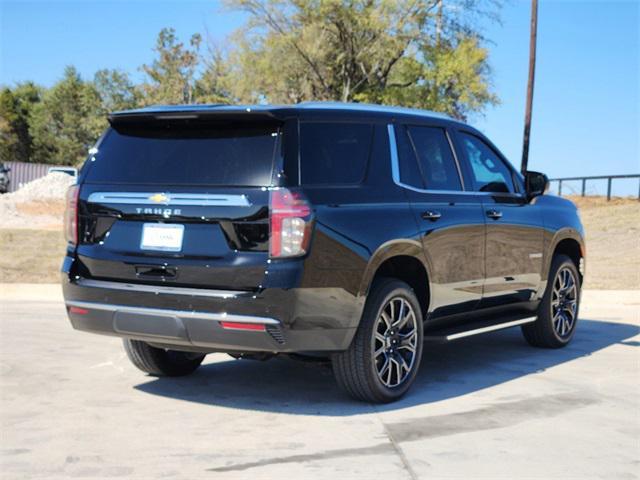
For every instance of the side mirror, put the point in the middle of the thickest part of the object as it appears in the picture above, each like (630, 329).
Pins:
(536, 184)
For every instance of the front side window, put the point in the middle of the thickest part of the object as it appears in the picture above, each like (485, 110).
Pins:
(490, 174)
(435, 159)
(334, 153)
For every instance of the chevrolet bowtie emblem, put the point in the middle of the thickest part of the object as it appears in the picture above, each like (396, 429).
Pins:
(159, 198)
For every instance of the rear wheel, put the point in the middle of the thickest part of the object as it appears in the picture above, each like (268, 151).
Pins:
(161, 362)
(558, 311)
(383, 358)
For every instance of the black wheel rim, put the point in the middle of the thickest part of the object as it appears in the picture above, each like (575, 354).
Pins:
(395, 342)
(564, 302)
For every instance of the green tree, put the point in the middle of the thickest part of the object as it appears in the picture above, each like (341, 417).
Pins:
(16, 105)
(68, 120)
(422, 53)
(172, 75)
(214, 84)
(116, 91)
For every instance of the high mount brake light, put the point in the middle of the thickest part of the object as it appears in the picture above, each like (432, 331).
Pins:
(71, 215)
(290, 216)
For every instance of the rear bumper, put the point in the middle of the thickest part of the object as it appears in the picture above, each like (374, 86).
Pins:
(175, 327)
(286, 320)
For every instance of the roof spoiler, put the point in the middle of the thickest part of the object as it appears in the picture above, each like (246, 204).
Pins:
(151, 114)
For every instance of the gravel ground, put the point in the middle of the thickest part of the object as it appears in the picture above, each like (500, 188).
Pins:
(38, 204)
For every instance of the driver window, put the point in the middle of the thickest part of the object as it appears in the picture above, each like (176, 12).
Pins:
(490, 174)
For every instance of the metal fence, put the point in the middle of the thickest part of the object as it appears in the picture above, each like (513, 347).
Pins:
(608, 178)
(22, 173)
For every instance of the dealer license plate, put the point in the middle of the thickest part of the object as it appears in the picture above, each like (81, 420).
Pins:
(162, 236)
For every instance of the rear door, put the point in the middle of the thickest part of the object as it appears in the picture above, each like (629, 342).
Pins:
(514, 242)
(184, 203)
(449, 218)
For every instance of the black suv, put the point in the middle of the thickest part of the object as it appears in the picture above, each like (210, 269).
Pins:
(350, 232)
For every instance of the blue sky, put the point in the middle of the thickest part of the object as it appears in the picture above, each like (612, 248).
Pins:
(586, 117)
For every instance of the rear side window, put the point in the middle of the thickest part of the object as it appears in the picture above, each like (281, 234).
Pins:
(435, 158)
(490, 174)
(409, 171)
(186, 155)
(334, 153)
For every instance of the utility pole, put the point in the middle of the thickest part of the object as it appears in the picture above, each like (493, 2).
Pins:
(532, 72)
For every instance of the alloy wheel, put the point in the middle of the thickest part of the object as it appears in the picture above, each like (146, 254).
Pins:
(395, 342)
(564, 302)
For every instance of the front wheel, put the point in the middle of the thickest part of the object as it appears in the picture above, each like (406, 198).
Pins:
(161, 362)
(558, 311)
(383, 358)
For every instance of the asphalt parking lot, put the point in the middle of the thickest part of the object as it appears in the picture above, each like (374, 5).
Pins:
(486, 407)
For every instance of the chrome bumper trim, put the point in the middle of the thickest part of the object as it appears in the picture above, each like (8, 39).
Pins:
(158, 289)
(219, 317)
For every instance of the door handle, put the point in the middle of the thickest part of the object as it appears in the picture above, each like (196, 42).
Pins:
(431, 215)
(495, 214)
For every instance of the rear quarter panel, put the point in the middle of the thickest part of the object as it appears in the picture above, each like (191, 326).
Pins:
(357, 227)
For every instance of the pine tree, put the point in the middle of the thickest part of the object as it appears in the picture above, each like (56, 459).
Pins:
(16, 105)
(67, 122)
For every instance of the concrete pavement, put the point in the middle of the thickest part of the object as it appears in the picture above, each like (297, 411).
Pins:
(71, 406)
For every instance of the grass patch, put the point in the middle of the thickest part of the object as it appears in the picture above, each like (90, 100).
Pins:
(612, 230)
(31, 256)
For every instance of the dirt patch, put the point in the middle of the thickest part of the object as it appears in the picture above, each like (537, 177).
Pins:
(601, 201)
(613, 242)
(39, 203)
(52, 207)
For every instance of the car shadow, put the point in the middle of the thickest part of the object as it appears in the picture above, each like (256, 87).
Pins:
(283, 385)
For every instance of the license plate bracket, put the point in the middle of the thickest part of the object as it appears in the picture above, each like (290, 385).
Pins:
(162, 237)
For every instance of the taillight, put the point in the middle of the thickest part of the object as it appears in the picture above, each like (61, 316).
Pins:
(290, 224)
(71, 215)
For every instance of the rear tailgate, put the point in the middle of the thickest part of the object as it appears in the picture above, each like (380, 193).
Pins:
(179, 203)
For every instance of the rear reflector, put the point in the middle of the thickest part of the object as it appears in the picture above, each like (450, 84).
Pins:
(256, 327)
(78, 310)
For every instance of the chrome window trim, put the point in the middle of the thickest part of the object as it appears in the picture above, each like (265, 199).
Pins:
(192, 199)
(393, 147)
(395, 172)
(160, 289)
(455, 159)
(219, 317)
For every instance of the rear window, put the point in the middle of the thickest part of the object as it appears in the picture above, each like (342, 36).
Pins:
(435, 158)
(334, 153)
(186, 155)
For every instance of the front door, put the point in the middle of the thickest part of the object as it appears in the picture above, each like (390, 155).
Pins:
(514, 232)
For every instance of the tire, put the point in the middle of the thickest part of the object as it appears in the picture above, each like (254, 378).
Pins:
(357, 369)
(558, 312)
(160, 362)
